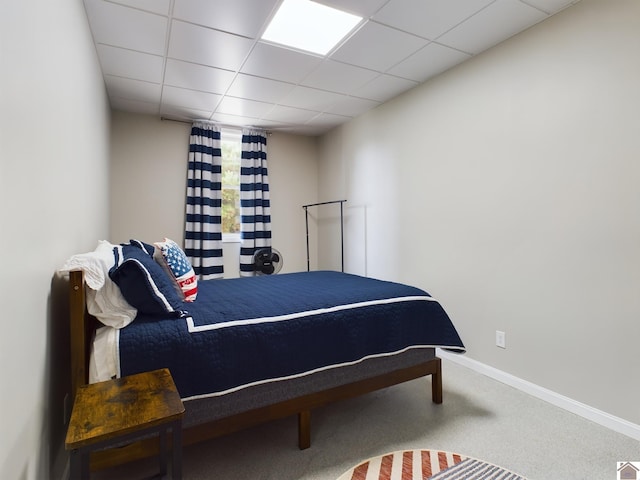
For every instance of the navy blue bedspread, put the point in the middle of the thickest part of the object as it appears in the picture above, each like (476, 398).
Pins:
(252, 330)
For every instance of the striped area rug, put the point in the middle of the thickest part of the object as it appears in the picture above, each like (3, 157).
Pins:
(427, 464)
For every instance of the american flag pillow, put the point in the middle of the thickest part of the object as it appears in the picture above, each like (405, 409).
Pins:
(175, 262)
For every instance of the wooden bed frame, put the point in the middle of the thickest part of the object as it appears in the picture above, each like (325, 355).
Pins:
(83, 325)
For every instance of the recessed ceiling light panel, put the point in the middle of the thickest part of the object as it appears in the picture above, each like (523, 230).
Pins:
(309, 26)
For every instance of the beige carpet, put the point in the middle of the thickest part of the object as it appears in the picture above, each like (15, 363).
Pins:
(426, 464)
(480, 418)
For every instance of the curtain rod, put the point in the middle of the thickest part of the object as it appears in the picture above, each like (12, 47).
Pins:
(190, 122)
(165, 119)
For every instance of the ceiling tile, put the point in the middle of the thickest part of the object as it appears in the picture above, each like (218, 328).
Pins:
(234, 120)
(206, 46)
(428, 62)
(127, 63)
(363, 8)
(378, 47)
(197, 77)
(496, 23)
(551, 6)
(338, 77)
(385, 87)
(328, 120)
(280, 113)
(185, 58)
(242, 17)
(258, 88)
(182, 112)
(160, 7)
(429, 18)
(126, 27)
(243, 107)
(351, 106)
(190, 98)
(132, 89)
(279, 63)
(310, 98)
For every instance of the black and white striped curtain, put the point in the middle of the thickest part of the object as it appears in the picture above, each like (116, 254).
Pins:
(255, 209)
(203, 228)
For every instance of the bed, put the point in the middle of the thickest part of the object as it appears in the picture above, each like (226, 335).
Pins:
(250, 350)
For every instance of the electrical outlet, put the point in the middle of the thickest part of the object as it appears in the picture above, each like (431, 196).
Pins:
(501, 339)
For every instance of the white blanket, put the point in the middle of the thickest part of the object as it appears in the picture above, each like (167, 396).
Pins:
(104, 299)
(103, 362)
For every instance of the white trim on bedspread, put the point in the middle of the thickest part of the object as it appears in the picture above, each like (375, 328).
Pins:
(105, 363)
(307, 313)
(309, 372)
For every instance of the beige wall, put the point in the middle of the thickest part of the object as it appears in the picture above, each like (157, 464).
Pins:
(54, 152)
(148, 175)
(149, 168)
(508, 188)
(293, 182)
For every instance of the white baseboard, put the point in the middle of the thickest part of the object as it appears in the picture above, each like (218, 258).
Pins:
(597, 416)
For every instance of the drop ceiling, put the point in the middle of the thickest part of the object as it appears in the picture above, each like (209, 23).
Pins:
(204, 60)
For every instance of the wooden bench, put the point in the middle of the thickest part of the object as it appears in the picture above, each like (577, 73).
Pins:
(110, 413)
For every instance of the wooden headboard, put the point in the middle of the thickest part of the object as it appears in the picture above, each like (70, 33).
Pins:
(82, 328)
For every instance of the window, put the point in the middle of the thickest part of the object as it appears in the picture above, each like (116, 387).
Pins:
(231, 148)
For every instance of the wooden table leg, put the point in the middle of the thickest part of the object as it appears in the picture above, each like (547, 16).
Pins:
(79, 465)
(162, 439)
(176, 448)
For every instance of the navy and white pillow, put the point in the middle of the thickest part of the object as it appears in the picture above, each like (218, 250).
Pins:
(146, 247)
(143, 283)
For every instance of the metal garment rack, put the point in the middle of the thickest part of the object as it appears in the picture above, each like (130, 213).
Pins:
(306, 221)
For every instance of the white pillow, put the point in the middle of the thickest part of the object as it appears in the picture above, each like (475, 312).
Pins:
(104, 299)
